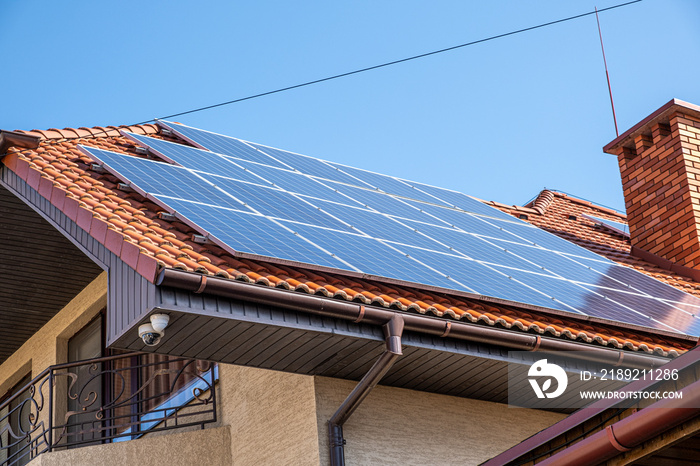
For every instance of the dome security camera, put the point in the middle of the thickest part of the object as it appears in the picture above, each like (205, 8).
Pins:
(152, 333)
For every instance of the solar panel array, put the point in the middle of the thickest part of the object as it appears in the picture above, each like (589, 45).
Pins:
(255, 199)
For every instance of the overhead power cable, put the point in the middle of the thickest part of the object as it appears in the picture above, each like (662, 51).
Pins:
(391, 63)
(370, 68)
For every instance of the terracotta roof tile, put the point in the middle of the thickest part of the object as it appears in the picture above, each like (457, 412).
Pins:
(128, 225)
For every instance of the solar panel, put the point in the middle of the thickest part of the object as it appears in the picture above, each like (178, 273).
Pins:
(472, 246)
(472, 223)
(159, 178)
(563, 266)
(376, 200)
(253, 233)
(219, 144)
(655, 312)
(291, 181)
(461, 201)
(528, 234)
(617, 227)
(640, 282)
(259, 200)
(311, 166)
(277, 203)
(371, 256)
(478, 278)
(388, 184)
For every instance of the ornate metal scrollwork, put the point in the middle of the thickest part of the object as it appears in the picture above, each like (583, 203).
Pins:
(114, 397)
(21, 429)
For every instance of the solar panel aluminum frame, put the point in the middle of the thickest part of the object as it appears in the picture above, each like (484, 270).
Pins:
(387, 280)
(172, 127)
(160, 154)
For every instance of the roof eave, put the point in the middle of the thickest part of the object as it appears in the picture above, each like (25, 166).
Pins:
(359, 313)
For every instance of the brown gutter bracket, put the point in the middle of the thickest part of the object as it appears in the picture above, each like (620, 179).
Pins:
(202, 285)
(393, 330)
(613, 440)
(537, 343)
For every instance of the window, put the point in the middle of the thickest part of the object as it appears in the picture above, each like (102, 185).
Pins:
(85, 386)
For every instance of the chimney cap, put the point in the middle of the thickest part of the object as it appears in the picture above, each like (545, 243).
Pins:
(643, 126)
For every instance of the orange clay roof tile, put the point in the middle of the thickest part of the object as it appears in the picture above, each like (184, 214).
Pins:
(120, 219)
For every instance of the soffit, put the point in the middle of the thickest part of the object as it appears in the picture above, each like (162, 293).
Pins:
(40, 272)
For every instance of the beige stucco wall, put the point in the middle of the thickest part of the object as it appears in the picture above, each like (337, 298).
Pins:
(395, 426)
(48, 346)
(209, 447)
(272, 416)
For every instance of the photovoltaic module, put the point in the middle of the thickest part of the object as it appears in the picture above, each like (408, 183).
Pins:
(259, 200)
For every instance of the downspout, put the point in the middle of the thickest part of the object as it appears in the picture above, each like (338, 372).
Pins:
(335, 308)
(631, 431)
(392, 333)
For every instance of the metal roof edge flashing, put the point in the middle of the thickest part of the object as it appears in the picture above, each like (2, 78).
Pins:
(601, 222)
(16, 139)
(666, 264)
(356, 312)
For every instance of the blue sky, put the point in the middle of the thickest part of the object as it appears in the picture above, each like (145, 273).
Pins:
(499, 120)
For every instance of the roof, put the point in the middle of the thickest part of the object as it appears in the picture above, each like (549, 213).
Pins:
(130, 226)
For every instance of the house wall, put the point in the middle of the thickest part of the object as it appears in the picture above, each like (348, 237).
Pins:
(280, 418)
(207, 447)
(395, 426)
(272, 416)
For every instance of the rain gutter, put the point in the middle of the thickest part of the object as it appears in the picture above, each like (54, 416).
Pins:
(358, 313)
(631, 431)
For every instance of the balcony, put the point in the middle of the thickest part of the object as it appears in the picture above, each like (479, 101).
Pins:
(105, 400)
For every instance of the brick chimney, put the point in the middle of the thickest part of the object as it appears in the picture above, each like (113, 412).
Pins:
(659, 162)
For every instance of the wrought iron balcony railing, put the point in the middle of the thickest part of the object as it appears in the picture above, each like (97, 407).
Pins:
(105, 400)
